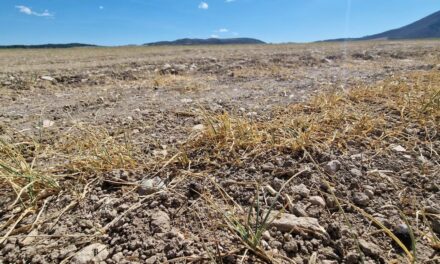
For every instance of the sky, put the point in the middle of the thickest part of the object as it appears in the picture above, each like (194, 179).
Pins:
(123, 22)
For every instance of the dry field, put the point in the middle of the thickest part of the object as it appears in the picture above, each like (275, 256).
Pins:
(318, 153)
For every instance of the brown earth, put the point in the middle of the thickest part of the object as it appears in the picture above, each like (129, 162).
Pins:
(177, 154)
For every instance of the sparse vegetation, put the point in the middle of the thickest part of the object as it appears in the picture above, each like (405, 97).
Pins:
(184, 166)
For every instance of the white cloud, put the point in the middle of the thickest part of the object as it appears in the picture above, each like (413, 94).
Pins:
(215, 36)
(229, 1)
(223, 30)
(28, 11)
(203, 5)
(101, 7)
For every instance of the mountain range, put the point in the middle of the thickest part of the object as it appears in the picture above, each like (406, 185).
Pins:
(425, 28)
(210, 41)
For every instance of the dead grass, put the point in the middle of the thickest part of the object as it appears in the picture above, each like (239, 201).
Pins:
(370, 117)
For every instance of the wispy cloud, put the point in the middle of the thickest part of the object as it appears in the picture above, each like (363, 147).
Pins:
(229, 1)
(203, 5)
(28, 11)
(223, 30)
(215, 36)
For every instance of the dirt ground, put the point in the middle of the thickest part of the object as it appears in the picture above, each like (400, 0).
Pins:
(178, 154)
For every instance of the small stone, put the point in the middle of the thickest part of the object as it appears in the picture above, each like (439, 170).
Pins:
(118, 257)
(65, 251)
(149, 186)
(369, 249)
(352, 258)
(360, 199)
(93, 253)
(301, 190)
(317, 200)
(186, 100)
(48, 123)
(291, 247)
(298, 210)
(30, 238)
(402, 232)
(369, 193)
(266, 235)
(288, 222)
(160, 222)
(267, 167)
(398, 148)
(355, 172)
(199, 127)
(47, 78)
(332, 166)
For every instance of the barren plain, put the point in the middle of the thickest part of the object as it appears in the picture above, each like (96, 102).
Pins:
(301, 153)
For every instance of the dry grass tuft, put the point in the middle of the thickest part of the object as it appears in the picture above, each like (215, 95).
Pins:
(18, 174)
(89, 150)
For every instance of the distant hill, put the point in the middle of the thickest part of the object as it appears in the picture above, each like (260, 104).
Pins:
(425, 28)
(46, 46)
(210, 41)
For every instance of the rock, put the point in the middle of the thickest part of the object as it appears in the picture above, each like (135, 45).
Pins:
(149, 186)
(369, 249)
(266, 235)
(360, 199)
(301, 190)
(199, 127)
(398, 148)
(93, 253)
(369, 193)
(118, 257)
(47, 78)
(160, 222)
(291, 247)
(186, 100)
(267, 167)
(332, 167)
(48, 123)
(30, 238)
(352, 258)
(328, 253)
(355, 172)
(402, 232)
(298, 210)
(65, 251)
(288, 222)
(317, 200)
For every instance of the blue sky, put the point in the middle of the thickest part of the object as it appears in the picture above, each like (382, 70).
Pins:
(120, 22)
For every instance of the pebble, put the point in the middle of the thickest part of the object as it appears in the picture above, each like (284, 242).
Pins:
(47, 78)
(402, 232)
(301, 190)
(118, 257)
(352, 258)
(48, 123)
(288, 222)
(291, 247)
(360, 199)
(369, 249)
(398, 148)
(317, 200)
(149, 186)
(160, 222)
(93, 253)
(332, 166)
(356, 172)
(199, 127)
(267, 167)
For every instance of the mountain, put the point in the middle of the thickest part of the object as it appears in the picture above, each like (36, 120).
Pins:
(45, 46)
(210, 41)
(428, 27)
